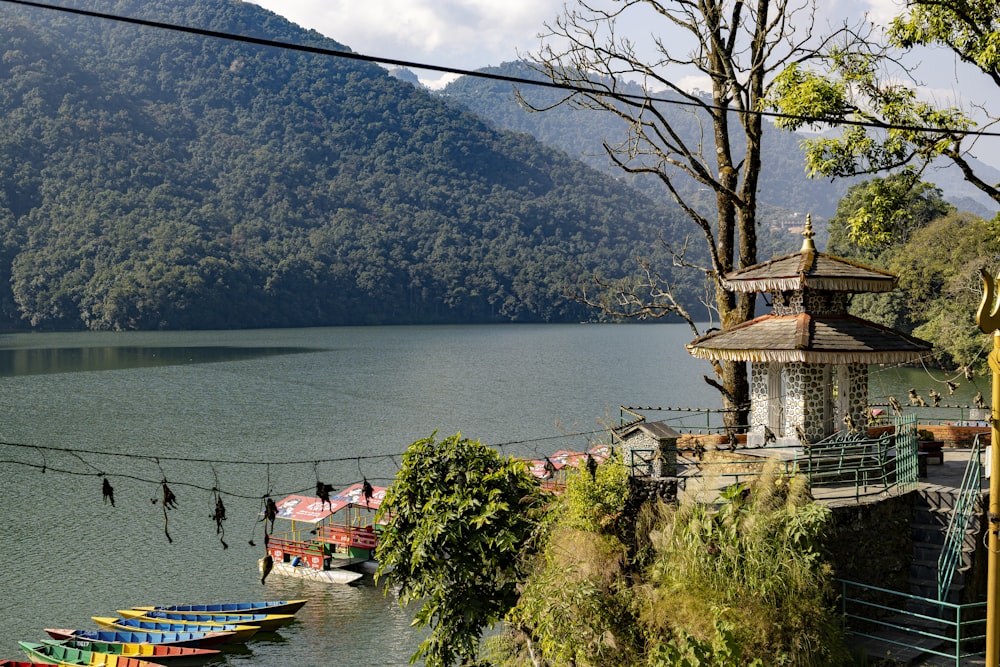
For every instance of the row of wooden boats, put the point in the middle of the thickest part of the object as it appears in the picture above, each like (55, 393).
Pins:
(155, 636)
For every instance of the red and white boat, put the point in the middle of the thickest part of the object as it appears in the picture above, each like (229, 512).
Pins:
(331, 542)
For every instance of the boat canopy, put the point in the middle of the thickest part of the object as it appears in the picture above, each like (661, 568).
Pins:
(310, 509)
(540, 468)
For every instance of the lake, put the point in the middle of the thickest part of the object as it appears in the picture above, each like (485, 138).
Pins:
(252, 413)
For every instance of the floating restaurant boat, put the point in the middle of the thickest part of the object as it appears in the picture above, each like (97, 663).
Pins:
(240, 633)
(266, 622)
(263, 607)
(161, 654)
(332, 542)
(188, 639)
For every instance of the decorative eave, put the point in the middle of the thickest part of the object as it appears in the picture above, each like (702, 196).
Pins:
(811, 339)
(809, 268)
(813, 270)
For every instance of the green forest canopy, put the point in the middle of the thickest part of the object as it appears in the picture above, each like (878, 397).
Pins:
(152, 179)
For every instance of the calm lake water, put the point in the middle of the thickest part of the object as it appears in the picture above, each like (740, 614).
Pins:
(258, 412)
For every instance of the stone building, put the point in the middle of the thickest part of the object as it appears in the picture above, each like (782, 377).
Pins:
(649, 449)
(810, 358)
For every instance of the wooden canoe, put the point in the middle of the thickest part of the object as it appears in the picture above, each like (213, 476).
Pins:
(189, 639)
(241, 633)
(61, 655)
(266, 622)
(22, 663)
(263, 607)
(161, 654)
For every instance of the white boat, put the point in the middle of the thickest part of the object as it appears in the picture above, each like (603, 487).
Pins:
(334, 576)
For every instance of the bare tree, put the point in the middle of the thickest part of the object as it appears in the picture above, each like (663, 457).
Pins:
(736, 47)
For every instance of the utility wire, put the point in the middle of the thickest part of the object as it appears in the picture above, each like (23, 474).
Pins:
(76, 451)
(351, 55)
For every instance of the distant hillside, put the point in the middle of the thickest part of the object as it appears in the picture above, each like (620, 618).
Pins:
(579, 133)
(152, 179)
(786, 191)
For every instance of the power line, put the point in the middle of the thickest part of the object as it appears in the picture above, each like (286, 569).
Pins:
(76, 451)
(351, 55)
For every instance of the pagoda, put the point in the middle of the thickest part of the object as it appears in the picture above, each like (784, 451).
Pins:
(810, 358)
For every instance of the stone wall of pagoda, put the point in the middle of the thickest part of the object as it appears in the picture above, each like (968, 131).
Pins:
(807, 401)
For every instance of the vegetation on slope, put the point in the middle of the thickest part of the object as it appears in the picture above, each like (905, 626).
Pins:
(159, 180)
(586, 580)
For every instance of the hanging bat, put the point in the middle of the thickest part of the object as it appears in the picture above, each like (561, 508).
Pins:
(169, 499)
(270, 514)
(367, 491)
(108, 491)
(323, 492)
(219, 516)
(265, 567)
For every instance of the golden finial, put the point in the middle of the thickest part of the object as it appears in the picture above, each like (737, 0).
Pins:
(807, 235)
(988, 315)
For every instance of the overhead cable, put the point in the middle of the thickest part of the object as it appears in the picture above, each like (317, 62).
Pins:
(351, 55)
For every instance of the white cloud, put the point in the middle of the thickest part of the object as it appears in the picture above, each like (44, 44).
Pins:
(881, 12)
(456, 33)
(438, 83)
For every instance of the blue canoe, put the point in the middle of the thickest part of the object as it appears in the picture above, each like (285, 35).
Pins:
(239, 633)
(276, 607)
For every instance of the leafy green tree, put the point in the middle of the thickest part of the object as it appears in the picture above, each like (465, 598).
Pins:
(883, 212)
(969, 29)
(940, 283)
(889, 127)
(462, 520)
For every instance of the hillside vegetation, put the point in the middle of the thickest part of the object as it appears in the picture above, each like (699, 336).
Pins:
(785, 187)
(152, 179)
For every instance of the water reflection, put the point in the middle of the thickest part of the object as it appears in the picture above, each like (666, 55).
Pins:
(41, 361)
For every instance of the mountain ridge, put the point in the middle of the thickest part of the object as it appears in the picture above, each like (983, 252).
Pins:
(157, 180)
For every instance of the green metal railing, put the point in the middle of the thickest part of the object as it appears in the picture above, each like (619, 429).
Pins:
(907, 467)
(951, 631)
(961, 516)
(850, 465)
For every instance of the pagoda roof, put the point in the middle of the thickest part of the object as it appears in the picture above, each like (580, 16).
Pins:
(806, 338)
(809, 268)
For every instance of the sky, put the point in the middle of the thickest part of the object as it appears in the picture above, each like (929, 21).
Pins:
(471, 34)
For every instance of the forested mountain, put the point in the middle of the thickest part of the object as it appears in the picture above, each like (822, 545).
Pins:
(154, 179)
(785, 189)
(579, 132)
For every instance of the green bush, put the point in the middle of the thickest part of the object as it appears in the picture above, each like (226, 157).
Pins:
(754, 564)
